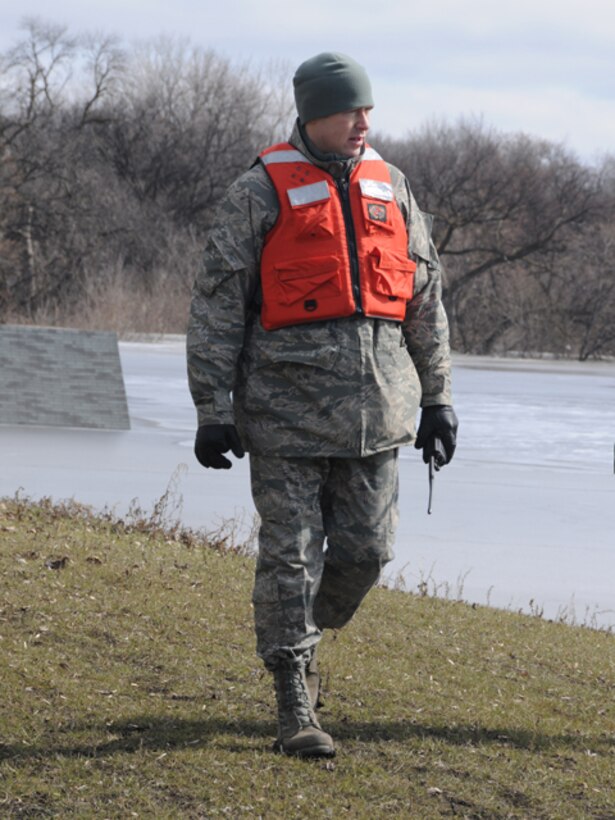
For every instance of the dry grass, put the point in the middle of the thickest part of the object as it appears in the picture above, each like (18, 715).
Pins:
(131, 689)
(121, 304)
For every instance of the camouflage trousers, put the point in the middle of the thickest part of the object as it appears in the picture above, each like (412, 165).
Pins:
(327, 529)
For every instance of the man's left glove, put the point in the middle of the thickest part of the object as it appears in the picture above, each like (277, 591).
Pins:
(214, 439)
(438, 424)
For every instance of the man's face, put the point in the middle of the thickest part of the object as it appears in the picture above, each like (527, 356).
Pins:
(342, 133)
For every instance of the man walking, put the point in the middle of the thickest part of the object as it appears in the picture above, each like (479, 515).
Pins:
(316, 332)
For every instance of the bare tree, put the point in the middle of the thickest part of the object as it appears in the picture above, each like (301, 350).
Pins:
(578, 293)
(498, 200)
(112, 164)
(192, 121)
(53, 84)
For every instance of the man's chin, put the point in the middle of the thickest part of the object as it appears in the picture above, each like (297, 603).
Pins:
(353, 150)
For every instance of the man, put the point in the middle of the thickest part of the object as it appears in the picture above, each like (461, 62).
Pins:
(316, 331)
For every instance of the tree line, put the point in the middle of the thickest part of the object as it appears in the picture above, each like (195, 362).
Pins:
(112, 163)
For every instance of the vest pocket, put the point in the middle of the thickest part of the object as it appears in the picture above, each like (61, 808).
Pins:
(298, 279)
(392, 274)
(314, 221)
(377, 216)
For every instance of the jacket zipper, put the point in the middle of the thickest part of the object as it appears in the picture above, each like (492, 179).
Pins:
(351, 237)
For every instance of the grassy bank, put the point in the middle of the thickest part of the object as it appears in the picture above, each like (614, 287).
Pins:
(130, 688)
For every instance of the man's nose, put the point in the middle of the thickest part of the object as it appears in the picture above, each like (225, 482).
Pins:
(363, 118)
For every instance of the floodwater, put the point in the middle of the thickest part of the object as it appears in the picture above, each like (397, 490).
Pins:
(523, 518)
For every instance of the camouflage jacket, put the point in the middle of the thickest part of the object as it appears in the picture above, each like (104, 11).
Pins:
(345, 387)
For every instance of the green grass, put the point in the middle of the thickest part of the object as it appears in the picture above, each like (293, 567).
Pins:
(130, 688)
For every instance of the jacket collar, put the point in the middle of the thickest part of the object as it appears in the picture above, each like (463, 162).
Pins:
(333, 164)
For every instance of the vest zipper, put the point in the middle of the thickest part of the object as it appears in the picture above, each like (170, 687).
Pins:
(351, 238)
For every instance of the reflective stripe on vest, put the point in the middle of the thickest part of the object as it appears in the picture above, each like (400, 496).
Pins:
(306, 270)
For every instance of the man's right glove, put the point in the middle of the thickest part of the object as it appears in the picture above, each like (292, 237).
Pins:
(214, 439)
(437, 434)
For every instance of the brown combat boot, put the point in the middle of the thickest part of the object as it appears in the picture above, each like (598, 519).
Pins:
(299, 732)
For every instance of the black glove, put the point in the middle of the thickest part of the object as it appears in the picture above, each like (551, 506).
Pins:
(214, 439)
(437, 434)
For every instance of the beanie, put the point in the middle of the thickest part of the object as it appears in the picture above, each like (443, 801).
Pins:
(330, 83)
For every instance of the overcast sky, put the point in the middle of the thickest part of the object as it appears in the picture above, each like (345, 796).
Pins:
(545, 67)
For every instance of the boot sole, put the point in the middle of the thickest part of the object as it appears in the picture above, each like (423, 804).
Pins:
(309, 751)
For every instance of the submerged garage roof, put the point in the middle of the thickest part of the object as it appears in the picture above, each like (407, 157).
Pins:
(57, 377)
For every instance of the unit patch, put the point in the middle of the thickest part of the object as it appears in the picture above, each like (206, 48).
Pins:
(377, 212)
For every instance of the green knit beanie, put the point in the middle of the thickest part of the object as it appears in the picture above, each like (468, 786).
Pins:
(330, 83)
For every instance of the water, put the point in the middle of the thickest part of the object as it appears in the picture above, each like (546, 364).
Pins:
(523, 517)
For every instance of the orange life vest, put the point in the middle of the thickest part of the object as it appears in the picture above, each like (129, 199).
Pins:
(333, 252)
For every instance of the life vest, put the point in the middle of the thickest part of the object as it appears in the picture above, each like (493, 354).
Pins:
(333, 252)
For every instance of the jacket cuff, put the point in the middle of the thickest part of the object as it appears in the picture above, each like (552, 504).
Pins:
(218, 410)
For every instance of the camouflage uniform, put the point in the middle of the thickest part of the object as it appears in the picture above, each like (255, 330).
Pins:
(301, 590)
(321, 408)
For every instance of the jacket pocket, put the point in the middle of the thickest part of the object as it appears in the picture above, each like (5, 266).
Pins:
(421, 245)
(220, 263)
(295, 345)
